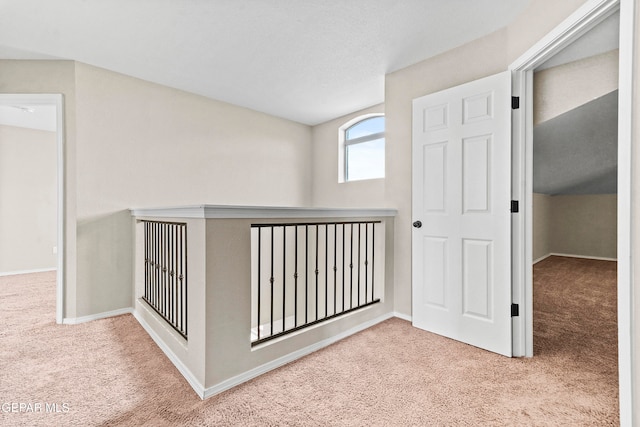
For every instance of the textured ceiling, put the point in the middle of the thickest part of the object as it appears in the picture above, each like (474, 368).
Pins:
(576, 152)
(308, 61)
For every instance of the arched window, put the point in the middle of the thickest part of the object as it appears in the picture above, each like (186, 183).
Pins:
(363, 145)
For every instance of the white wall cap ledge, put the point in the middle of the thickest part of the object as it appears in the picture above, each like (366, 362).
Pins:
(229, 211)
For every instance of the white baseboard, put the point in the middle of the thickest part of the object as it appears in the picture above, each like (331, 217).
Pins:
(37, 270)
(103, 315)
(599, 258)
(575, 256)
(542, 258)
(252, 373)
(403, 316)
(181, 367)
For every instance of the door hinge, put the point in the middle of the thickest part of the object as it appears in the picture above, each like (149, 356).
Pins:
(515, 102)
(515, 310)
(515, 206)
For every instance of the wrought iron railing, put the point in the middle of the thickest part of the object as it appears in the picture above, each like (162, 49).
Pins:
(307, 273)
(165, 272)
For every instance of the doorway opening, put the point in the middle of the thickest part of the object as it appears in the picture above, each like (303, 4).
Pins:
(574, 200)
(32, 214)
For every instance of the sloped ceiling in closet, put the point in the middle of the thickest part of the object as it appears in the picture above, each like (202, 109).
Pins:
(576, 152)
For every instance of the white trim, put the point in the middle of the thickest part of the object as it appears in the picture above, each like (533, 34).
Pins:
(181, 367)
(542, 258)
(252, 373)
(15, 273)
(61, 243)
(222, 211)
(626, 113)
(403, 316)
(576, 25)
(585, 18)
(97, 316)
(597, 258)
(57, 100)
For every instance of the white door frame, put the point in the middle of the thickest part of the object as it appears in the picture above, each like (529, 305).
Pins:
(584, 19)
(58, 101)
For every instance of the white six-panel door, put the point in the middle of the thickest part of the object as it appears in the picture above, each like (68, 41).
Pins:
(461, 197)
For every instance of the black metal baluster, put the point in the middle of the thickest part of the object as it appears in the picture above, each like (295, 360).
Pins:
(154, 290)
(271, 280)
(146, 259)
(175, 276)
(259, 276)
(284, 275)
(171, 243)
(366, 261)
(178, 262)
(159, 268)
(169, 277)
(326, 270)
(179, 297)
(179, 282)
(359, 256)
(159, 264)
(317, 271)
(373, 255)
(295, 281)
(335, 268)
(160, 276)
(351, 269)
(165, 262)
(152, 256)
(343, 267)
(306, 274)
(183, 287)
(186, 283)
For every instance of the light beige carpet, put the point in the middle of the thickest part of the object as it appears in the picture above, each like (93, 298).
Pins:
(110, 373)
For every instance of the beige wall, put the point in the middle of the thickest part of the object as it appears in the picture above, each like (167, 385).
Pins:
(584, 225)
(581, 225)
(568, 86)
(130, 143)
(28, 205)
(145, 145)
(327, 191)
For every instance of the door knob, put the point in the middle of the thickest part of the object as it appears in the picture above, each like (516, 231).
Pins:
(417, 224)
